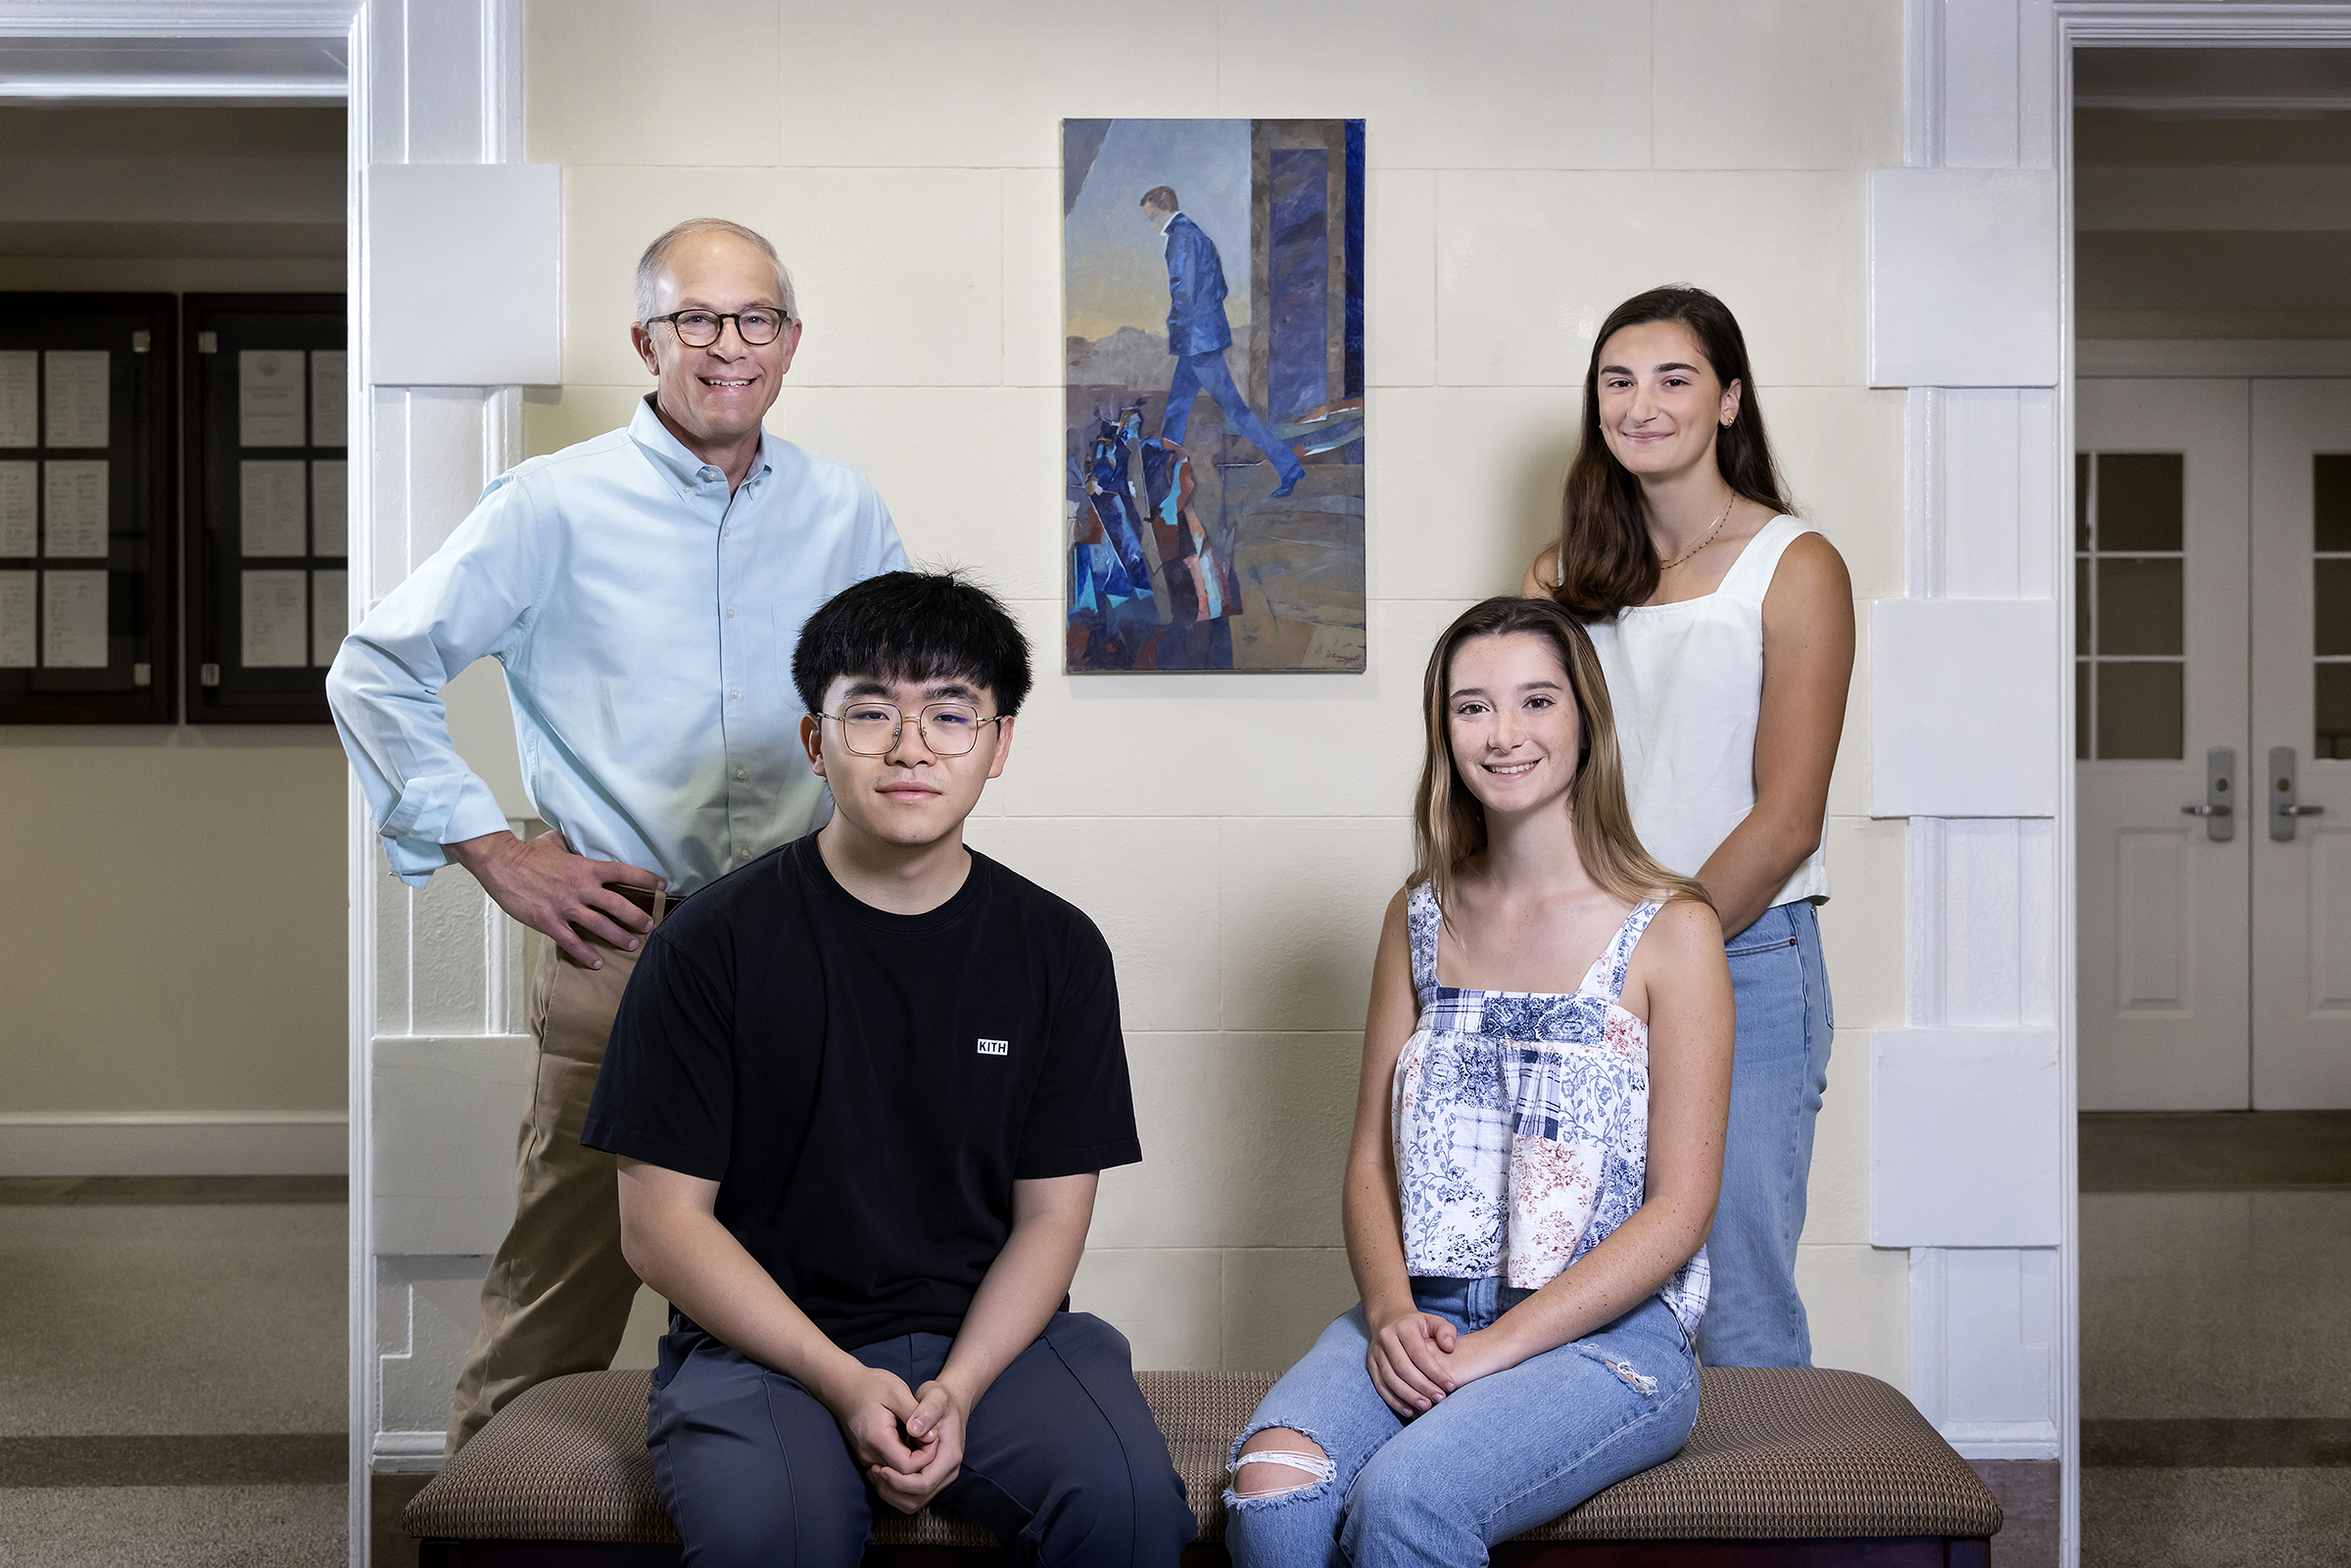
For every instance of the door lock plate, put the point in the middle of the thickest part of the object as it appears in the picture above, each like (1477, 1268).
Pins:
(2284, 809)
(2219, 810)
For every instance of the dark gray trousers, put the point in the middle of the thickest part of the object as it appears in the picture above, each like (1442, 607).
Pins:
(1061, 1457)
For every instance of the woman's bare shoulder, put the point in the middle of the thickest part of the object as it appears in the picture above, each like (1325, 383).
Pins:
(1810, 564)
(1683, 930)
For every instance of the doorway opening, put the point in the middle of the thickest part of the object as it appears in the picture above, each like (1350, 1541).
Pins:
(2212, 662)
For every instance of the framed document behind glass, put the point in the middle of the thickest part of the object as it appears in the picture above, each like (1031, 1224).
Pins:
(86, 564)
(267, 493)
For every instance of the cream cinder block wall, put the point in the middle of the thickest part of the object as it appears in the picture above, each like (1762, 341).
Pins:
(176, 942)
(177, 935)
(1237, 837)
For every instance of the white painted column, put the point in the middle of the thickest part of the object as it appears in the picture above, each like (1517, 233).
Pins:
(436, 976)
(1974, 1095)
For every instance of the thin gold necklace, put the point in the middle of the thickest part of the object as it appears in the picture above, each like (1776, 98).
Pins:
(1708, 540)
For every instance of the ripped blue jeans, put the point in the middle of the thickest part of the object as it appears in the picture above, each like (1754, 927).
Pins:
(1499, 1456)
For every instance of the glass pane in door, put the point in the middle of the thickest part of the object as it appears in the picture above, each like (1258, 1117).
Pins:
(2141, 500)
(2333, 738)
(2330, 604)
(2138, 605)
(2330, 500)
(2130, 603)
(2140, 709)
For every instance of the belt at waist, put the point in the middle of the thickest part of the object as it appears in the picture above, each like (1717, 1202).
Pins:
(645, 898)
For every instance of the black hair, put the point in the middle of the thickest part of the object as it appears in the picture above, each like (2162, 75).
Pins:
(913, 627)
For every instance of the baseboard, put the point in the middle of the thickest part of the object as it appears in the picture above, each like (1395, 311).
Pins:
(174, 1143)
(2001, 1439)
(407, 1454)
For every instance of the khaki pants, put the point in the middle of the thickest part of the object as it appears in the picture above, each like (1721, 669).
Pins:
(557, 1295)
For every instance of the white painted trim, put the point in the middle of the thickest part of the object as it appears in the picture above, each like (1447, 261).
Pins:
(1930, 1346)
(389, 58)
(174, 1143)
(2004, 1440)
(359, 835)
(227, 92)
(1922, 84)
(407, 1454)
(2142, 358)
(2058, 103)
(366, 1391)
(2210, 24)
(501, 115)
(178, 19)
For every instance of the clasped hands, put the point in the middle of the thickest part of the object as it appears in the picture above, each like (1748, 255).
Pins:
(1418, 1357)
(908, 1442)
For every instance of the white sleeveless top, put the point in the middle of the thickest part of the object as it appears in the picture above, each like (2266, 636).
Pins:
(1687, 681)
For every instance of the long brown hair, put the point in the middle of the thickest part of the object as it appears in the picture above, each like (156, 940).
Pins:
(1449, 825)
(1606, 561)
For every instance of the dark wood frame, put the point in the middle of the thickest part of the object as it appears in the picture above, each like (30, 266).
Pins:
(203, 618)
(158, 701)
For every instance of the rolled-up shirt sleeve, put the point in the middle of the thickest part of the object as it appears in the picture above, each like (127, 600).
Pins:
(471, 599)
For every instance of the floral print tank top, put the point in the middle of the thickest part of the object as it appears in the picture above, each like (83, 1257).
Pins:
(1521, 1122)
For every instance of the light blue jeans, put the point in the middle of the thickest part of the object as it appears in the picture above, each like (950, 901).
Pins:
(1778, 1069)
(1497, 1456)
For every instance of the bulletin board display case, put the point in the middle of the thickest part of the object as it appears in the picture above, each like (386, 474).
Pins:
(87, 563)
(268, 485)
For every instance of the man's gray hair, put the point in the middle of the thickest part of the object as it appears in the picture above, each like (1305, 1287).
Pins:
(656, 256)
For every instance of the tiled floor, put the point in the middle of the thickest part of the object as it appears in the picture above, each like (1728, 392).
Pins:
(172, 1374)
(2215, 1343)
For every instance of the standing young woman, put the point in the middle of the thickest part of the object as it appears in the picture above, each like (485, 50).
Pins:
(1538, 1139)
(1725, 626)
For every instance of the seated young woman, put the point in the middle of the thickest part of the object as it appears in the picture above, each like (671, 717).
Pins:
(1538, 1144)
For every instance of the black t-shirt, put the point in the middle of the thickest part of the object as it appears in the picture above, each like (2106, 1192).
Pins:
(866, 1088)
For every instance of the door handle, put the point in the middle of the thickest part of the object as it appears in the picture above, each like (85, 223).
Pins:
(2220, 787)
(2282, 785)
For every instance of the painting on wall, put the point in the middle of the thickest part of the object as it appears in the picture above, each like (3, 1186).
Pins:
(1212, 311)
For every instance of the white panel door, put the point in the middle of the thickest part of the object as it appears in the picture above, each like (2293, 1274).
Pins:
(2301, 548)
(2160, 696)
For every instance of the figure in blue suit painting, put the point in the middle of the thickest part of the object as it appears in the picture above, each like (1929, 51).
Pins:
(1198, 335)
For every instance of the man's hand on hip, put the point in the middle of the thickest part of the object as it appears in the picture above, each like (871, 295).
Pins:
(543, 885)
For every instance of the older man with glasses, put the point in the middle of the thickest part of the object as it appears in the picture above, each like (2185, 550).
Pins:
(642, 591)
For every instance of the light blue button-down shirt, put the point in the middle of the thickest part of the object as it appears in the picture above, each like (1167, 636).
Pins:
(646, 620)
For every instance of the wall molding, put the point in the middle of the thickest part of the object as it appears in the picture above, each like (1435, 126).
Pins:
(174, 1143)
(178, 19)
(155, 52)
(407, 1452)
(1987, 1349)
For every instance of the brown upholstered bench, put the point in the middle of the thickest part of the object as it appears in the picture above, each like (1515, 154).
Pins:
(1788, 1468)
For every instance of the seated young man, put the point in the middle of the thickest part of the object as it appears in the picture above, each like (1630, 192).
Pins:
(860, 1090)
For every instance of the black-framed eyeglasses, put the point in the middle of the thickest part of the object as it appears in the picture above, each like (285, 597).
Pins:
(872, 729)
(699, 330)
